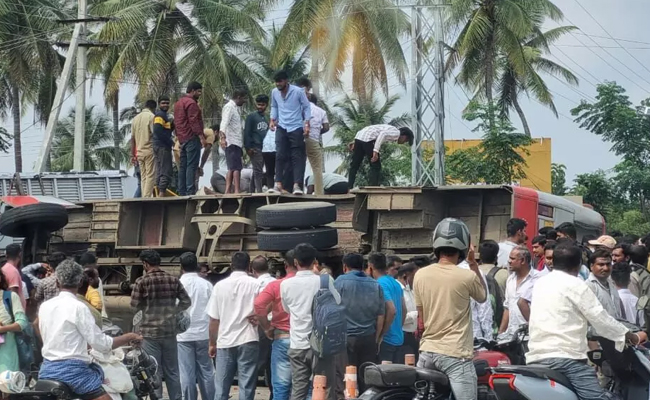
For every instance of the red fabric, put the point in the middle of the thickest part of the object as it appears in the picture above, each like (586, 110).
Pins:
(271, 295)
(540, 264)
(188, 120)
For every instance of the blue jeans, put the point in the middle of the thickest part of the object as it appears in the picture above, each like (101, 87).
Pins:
(290, 154)
(280, 369)
(190, 156)
(195, 364)
(582, 377)
(240, 360)
(460, 371)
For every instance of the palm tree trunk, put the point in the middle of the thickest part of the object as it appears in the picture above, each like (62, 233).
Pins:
(117, 140)
(314, 76)
(15, 112)
(522, 117)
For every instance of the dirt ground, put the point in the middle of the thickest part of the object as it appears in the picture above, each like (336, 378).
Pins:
(261, 393)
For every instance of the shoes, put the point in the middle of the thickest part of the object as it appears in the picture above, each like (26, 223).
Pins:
(297, 190)
(275, 189)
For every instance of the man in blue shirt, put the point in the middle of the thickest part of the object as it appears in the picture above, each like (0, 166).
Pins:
(392, 335)
(363, 299)
(290, 115)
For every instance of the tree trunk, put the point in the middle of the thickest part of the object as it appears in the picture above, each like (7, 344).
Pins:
(314, 76)
(522, 117)
(15, 112)
(117, 140)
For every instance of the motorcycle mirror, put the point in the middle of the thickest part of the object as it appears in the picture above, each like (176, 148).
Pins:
(642, 303)
(137, 319)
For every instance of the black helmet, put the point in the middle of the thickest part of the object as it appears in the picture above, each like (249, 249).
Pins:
(451, 233)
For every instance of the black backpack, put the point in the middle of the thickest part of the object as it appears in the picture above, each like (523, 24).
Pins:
(496, 295)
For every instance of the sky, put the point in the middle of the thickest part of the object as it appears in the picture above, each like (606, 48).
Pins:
(590, 53)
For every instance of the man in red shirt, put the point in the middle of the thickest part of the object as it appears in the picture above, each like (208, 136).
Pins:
(188, 122)
(11, 272)
(278, 330)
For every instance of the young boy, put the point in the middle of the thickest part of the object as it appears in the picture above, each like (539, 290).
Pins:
(254, 133)
(230, 134)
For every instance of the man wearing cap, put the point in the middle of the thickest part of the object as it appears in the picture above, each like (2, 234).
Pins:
(604, 241)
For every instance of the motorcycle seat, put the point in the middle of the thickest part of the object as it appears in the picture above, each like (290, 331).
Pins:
(61, 390)
(430, 375)
(536, 371)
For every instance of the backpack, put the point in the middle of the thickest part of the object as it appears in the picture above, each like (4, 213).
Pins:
(329, 326)
(496, 295)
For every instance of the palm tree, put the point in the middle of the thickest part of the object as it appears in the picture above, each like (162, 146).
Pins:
(339, 32)
(29, 63)
(164, 45)
(354, 114)
(492, 30)
(511, 83)
(99, 151)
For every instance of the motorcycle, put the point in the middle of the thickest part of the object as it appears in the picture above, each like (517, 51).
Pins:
(509, 351)
(404, 382)
(142, 368)
(629, 377)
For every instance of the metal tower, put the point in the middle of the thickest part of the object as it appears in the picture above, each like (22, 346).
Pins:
(427, 90)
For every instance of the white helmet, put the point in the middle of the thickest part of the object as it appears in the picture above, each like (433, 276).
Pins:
(451, 233)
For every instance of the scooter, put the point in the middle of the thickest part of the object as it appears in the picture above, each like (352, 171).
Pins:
(630, 376)
(403, 382)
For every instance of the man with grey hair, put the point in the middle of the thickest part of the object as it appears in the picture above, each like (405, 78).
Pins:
(519, 290)
(68, 328)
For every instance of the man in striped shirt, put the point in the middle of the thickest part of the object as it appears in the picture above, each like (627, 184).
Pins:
(367, 143)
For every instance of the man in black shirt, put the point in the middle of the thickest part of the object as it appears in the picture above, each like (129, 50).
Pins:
(255, 130)
(162, 145)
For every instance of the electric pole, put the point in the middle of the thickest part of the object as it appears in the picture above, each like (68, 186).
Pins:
(427, 87)
(80, 93)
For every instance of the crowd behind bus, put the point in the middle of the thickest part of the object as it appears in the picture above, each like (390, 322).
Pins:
(431, 306)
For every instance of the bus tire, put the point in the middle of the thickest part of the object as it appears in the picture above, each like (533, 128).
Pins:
(296, 215)
(23, 221)
(321, 238)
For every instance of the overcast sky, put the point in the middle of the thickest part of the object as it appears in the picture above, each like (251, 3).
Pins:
(589, 53)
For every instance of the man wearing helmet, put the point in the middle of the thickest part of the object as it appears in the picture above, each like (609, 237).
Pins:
(442, 297)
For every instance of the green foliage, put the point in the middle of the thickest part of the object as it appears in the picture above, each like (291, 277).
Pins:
(354, 114)
(558, 179)
(99, 150)
(497, 159)
(630, 222)
(596, 189)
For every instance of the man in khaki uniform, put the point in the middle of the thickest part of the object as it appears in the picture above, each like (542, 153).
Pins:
(142, 128)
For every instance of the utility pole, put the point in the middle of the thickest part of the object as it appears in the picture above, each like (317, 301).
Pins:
(80, 110)
(427, 90)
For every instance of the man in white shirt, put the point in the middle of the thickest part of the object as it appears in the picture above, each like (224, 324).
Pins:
(233, 338)
(194, 363)
(319, 125)
(482, 313)
(332, 184)
(260, 268)
(367, 144)
(405, 275)
(516, 231)
(297, 296)
(68, 328)
(559, 321)
(231, 137)
(519, 289)
(621, 276)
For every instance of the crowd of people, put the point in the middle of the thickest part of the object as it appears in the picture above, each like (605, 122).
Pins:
(433, 307)
(277, 146)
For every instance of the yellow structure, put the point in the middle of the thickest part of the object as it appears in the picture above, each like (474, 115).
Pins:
(538, 162)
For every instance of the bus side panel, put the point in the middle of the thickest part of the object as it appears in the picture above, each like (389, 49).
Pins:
(524, 206)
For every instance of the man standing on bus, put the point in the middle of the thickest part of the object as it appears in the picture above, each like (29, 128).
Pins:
(516, 236)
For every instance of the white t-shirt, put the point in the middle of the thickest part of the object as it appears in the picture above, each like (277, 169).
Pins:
(513, 294)
(329, 180)
(268, 145)
(505, 248)
(318, 118)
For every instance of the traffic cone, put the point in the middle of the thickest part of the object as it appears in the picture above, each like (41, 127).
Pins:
(351, 389)
(320, 384)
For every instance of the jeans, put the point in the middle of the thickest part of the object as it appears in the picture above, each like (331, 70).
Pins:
(315, 156)
(241, 360)
(460, 371)
(163, 157)
(388, 352)
(304, 365)
(190, 156)
(195, 364)
(582, 377)
(361, 150)
(290, 150)
(280, 369)
(165, 351)
(258, 170)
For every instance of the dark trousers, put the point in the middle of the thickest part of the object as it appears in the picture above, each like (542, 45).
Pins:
(290, 150)
(264, 360)
(165, 351)
(269, 165)
(388, 352)
(411, 346)
(361, 150)
(163, 161)
(257, 159)
(338, 188)
(360, 350)
(304, 365)
(138, 191)
(190, 156)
